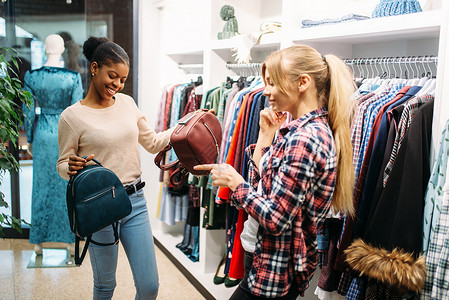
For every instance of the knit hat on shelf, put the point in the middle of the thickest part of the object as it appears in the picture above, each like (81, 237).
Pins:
(396, 7)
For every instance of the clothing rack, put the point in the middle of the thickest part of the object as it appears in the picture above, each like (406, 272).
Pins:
(250, 69)
(394, 67)
(405, 66)
(393, 60)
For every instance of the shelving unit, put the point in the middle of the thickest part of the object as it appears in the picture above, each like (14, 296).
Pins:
(174, 33)
(420, 25)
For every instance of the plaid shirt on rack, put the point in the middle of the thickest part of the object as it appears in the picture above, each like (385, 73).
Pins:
(406, 118)
(434, 194)
(437, 257)
(370, 117)
(358, 125)
(297, 181)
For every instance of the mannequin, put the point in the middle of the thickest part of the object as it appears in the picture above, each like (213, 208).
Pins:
(54, 47)
(54, 88)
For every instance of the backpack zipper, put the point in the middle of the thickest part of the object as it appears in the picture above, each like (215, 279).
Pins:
(184, 122)
(179, 129)
(216, 143)
(100, 194)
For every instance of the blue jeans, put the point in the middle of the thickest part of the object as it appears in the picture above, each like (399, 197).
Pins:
(137, 240)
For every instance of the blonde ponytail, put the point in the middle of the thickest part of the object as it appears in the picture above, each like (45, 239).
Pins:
(339, 107)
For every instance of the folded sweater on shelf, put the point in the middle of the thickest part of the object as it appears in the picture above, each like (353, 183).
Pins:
(349, 17)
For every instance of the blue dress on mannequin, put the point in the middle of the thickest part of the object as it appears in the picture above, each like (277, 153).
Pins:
(53, 89)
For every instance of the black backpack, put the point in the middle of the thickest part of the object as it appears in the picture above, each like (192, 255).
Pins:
(95, 199)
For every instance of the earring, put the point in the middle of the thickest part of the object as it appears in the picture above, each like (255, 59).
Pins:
(93, 74)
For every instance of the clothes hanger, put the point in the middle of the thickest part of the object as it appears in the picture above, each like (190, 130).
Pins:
(362, 73)
(416, 79)
(369, 68)
(425, 76)
(384, 75)
(402, 76)
(377, 78)
(399, 77)
(199, 81)
(429, 85)
(384, 81)
(407, 71)
(392, 75)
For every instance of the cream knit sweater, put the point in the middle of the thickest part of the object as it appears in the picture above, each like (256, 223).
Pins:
(112, 134)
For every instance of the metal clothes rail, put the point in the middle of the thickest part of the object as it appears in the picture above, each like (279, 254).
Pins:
(394, 67)
(405, 67)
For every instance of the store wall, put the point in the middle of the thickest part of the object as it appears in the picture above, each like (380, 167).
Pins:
(149, 94)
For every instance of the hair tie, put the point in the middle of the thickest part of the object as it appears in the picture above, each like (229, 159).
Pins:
(324, 58)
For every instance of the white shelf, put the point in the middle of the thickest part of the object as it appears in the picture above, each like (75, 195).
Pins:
(410, 26)
(269, 40)
(187, 57)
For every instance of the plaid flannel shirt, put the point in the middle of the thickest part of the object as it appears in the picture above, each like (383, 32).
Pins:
(358, 125)
(297, 181)
(437, 256)
(435, 193)
(406, 118)
(369, 118)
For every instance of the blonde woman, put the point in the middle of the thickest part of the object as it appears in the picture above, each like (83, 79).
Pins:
(298, 172)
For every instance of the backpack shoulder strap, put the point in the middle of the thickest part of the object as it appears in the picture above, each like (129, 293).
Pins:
(160, 156)
(78, 259)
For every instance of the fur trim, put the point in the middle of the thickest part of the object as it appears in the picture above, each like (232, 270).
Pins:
(397, 268)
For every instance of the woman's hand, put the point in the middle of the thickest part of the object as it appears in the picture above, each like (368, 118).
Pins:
(222, 175)
(77, 163)
(270, 121)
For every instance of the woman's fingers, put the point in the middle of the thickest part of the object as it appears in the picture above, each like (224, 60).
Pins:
(205, 167)
(72, 173)
(77, 163)
(222, 174)
(272, 117)
(281, 117)
(77, 160)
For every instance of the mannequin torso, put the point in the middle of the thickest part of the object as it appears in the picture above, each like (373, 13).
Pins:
(67, 86)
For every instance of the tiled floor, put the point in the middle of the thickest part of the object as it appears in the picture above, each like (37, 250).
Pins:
(18, 282)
